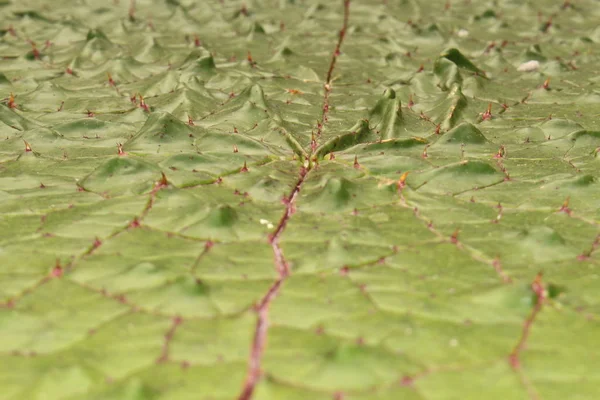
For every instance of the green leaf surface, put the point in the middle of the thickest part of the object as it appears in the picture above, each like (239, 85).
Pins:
(285, 200)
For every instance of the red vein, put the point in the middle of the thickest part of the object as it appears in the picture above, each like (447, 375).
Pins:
(283, 269)
(164, 355)
(540, 296)
(567, 210)
(59, 270)
(528, 385)
(262, 323)
(409, 380)
(497, 264)
(500, 164)
(11, 301)
(207, 246)
(259, 341)
(341, 36)
(334, 57)
(587, 254)
(132, 307)
(514, 357)
(454, 239)
(162, 183)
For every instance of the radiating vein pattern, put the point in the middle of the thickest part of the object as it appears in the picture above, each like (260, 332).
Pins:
(278, 199)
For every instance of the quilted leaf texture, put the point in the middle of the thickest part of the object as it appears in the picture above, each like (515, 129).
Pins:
(290, 200)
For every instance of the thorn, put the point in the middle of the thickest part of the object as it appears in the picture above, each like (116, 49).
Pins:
(546, 84)
(62, 103)
(143, 104)
(488, 114)
(454, 237)
(132, 10)
(331, 156)
(537, 286)
(356, 164)
(163, 182)
(11, 101)
(421, 68)
(244, 168)
(250, 60)
(235, 130)
(547, 25)
(565, 206)
(313, 143)
(501, 152)
(120, 149)
(338, 396)
(235, 148)
(190, 121)
(438, 129)
(584, 256)
(411, 103)
(402, 180)
(57, 271)
(90, 114)
(35, 51)
(135, 223)
(407, 381)
(424, 155)
(315, 159)
(111, 82)
(27, 146)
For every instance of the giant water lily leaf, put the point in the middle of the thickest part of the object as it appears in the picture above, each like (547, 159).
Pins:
(290, 200)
